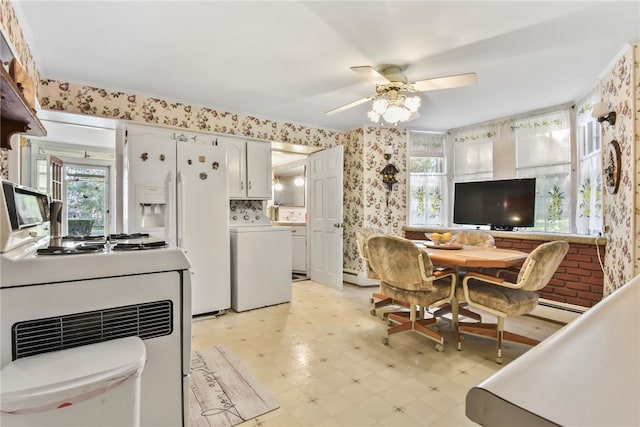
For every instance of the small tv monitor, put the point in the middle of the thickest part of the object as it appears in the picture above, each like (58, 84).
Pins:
(501, 204)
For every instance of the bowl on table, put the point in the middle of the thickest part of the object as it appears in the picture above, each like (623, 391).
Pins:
(439, 238)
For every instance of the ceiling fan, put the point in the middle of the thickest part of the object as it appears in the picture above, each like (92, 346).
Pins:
(391, 85)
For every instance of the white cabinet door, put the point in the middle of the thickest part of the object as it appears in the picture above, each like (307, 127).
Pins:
(258, 170)
(236, 166)
(299, 248)
(249, 166)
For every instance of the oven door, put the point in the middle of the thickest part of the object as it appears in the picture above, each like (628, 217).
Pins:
(85, 311)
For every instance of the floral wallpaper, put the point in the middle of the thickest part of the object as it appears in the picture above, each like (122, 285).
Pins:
(353, 196)
(365, 196)
(12, 33)
(617, 91)
(75, 98)
(391, 215)
(636, 169)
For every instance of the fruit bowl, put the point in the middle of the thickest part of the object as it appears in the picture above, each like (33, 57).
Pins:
(439, 238)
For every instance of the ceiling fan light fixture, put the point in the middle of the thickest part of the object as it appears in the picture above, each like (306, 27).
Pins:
(412, 103)
(379, 106)
(396, 113)
(394, 108)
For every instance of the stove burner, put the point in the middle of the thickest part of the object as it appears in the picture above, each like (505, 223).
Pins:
(75, 250)
(79, 237)
(124, 236)
(139, 246)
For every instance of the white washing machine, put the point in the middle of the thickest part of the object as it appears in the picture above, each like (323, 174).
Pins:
(260, 262)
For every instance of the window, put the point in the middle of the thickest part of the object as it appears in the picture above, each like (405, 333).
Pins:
(86, 175)
(427, 179)
(473, 155)
(588, 216)
(543, 151)
(86, 199)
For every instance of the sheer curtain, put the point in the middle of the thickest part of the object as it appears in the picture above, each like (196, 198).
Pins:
(589, 196)
(543, 151)
(428, 198)
(473, 154)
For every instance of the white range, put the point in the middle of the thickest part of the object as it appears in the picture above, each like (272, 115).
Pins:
(87, 292)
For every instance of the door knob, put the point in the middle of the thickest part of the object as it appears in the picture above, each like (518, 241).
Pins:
(338, 225)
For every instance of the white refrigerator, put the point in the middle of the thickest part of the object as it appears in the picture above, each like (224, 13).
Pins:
(176, 189)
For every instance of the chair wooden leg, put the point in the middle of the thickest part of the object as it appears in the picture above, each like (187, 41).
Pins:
(446, 309)
(495, 331)
(384, 301)
(412, 322)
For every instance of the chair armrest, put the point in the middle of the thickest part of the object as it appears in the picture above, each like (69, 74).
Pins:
(511, 271)
(483, 277)
(439, 274)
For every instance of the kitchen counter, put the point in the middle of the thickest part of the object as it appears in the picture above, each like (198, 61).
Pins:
(288, 223)
(584, 374)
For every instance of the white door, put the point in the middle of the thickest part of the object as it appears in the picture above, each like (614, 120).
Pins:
(325, 216)
(203, 224)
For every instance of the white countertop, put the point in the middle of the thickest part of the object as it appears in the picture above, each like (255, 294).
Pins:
(587, 373)
(34, 269)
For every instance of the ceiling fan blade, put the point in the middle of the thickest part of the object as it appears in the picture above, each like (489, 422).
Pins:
(457, 80)
(350, 105)
(371, 74)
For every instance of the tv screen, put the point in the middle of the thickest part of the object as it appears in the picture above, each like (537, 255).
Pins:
(501, 204)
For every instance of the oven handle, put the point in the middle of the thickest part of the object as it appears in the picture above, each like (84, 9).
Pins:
(181, 216)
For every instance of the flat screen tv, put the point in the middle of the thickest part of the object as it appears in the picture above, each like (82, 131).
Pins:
(502, 204)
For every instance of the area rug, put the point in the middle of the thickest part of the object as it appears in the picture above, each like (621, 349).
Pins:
(223, 392)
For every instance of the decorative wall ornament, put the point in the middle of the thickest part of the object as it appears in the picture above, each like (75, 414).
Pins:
(612, 167)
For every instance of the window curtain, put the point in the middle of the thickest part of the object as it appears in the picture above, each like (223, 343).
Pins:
(543, 140)
(422, 144)
(589, 198)
(473, 154)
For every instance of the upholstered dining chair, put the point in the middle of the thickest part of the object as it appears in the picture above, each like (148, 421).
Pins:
(473, 238)
(504, 299)
(406, 274)
(377, 299)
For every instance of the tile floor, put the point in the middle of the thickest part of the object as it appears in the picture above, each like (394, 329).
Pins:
(322, 357)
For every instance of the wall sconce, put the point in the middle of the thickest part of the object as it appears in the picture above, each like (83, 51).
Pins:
(277, 185)
(602, 113)
(389, 172)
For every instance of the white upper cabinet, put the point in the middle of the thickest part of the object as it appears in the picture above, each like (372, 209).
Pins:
(249, 166)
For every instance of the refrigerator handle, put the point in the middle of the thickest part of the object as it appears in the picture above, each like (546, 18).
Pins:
(181, 214)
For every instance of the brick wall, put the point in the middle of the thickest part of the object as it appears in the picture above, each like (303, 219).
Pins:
(579, 278)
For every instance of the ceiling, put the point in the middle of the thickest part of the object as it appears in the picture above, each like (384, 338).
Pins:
(289, 60)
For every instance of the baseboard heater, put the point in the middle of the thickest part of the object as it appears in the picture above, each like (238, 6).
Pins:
(357, 278)
(562, 306)
(557, 311)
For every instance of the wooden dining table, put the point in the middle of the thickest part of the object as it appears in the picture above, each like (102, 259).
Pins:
(461, 258)
(472, 256)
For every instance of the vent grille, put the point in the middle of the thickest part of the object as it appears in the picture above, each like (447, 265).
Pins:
(148, 320)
